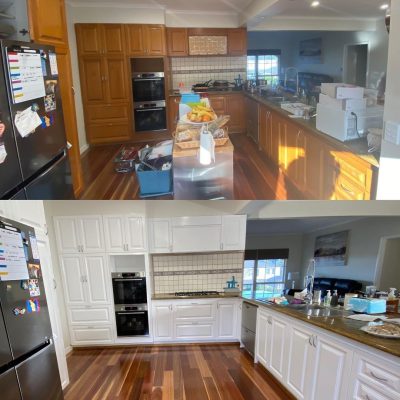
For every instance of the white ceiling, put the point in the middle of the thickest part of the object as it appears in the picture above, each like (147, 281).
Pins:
(291, 226)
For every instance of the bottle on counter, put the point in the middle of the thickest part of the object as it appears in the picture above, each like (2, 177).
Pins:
(392, 302)
(327, 299)
(335, 299)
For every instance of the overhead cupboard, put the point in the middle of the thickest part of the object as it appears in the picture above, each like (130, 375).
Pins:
(314, 364)
(197, 234)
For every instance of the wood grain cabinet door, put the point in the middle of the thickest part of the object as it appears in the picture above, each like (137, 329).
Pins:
(113, 39)
(155, 40)
(93, 84)
(237, 42)
(177, 41)
(135, 38)
(116, 82)
(90, 39)
(235, 108)
(47, 22)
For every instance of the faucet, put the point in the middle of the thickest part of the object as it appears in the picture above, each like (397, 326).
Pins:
(309, 281)
(294, 69)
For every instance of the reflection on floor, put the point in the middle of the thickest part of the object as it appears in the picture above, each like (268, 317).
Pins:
(182, 372)
(254, 178)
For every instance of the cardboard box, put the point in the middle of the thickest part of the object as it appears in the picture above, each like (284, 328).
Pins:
(345, 105)
(342, 91)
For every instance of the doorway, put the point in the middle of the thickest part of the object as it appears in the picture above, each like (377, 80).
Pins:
(388, 268)
(356, 64)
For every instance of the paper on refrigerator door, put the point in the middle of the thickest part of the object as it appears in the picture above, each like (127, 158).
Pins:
(3, 153)
(53, 64)
(27, 121)
(13, 264)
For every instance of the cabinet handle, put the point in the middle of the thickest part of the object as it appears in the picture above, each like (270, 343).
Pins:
(269, 320)
(221, 246)
(377, 377)
(309, 341)
(346, 189)
(314, 341)
(54, 284)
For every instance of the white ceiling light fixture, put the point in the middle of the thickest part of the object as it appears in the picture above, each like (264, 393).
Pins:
(384, 6)
(315, 4)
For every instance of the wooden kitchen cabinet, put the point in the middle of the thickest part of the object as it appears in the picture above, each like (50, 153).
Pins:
(115, 81)
(145, 40)
(47, 22)
(177, 42)
(93, 87)
(237, 42)
(235, 109)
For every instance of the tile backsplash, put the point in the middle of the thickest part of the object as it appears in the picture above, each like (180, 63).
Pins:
(195, 272)
(192, 70)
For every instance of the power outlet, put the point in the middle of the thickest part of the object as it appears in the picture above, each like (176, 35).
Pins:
(392, 132)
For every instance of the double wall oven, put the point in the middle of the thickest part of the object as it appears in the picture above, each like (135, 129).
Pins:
(130, 299)
(148, 90)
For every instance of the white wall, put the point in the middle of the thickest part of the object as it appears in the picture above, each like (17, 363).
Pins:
(363, 246)
(389, 183)
(292, 242)
(333, 49)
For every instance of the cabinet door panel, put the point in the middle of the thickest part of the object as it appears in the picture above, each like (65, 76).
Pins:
(237, 42)
(91, 234)
(194, 330)
(177, 40)
(194, 311)
(135, 236)
(113, 39)
(117, 85)
(160, 236)
(48, 22)
(196, 238)
(155, 42)
(67, 234)
(227, 314)
(88, 335)
(233, 232)
(93, 87)
(262, 338)
(135, 39)
(89, 39)
(235, 108)
(277, 350)
(114, 231)
(163, 322)
(90, 315)
(97, 277)
(73, 283)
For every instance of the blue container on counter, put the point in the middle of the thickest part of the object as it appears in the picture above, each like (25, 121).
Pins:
(367, 306)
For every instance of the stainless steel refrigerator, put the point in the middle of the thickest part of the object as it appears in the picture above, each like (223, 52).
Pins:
(28, 363)
(34, 160)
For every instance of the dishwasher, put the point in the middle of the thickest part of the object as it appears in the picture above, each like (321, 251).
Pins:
(249, 321)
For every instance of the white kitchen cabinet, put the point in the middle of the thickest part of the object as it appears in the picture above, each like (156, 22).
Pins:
(82, 234)
(233, 234)
(86, 279)
(160, 235)
(89, 335)
(263, 337)
(28, 212)
(163, 321)
(90, 315)
(195, 330)
(196, 234)
(124, 234)
(277, 350)
(227, 319)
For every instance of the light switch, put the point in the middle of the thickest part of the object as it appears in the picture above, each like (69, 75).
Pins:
(392, 132)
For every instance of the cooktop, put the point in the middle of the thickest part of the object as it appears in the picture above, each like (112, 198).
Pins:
(200, 293)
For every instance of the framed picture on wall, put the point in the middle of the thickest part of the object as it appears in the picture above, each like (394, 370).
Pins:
(311, 51)
(331, 250)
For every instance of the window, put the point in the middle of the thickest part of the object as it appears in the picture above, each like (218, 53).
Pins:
(263, 65)
(264, 273)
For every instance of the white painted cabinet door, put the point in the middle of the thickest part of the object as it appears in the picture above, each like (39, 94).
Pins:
(276, 352)
(67, 234)
(333, 368)
(263, 337)
(73, 277)
(233, 232)
(91, 234)
(29, 212)
(160, 236)
(114, 232)
(163, 322)
(227, 320)
(300, 370)
(135, 234)
(196, 238)
(97, 279)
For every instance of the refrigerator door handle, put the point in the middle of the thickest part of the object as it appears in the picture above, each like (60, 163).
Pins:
(45, 345)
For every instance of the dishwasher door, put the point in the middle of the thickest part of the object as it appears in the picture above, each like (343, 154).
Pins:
(249, 322)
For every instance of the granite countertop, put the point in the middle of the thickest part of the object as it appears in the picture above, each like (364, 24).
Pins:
(171, 296)
(175, 93)
(342, 326)
(358, 147)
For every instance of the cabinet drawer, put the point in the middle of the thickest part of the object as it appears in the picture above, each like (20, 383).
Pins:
(109, 132)
(218, 103)
(90, 315)
(354, 170)
(248, 340)
(104, 113)
(194, 330)
(249, 316)
(194, 311)
(366, 392)
(88, 334)
(347, 189)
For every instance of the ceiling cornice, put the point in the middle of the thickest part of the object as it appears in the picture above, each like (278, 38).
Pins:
(201, 12)
(116, 4)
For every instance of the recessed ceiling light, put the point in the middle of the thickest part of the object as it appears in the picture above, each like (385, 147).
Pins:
(315, 4)
(384, 6)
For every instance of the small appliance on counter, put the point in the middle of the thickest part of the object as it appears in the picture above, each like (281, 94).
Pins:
(130, 299)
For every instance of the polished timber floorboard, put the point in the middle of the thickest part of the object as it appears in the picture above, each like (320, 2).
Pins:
(185, 372)
(254, 178)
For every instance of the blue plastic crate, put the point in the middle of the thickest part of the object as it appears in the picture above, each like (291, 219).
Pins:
(190, 98)
(154, 183)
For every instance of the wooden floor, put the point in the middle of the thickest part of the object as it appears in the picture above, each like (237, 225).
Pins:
(188, 372)
(254, 179)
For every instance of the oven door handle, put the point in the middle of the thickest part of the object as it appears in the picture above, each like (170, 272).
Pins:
(130, 313)
(127, 280)
(147, 79)
(149, 109)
